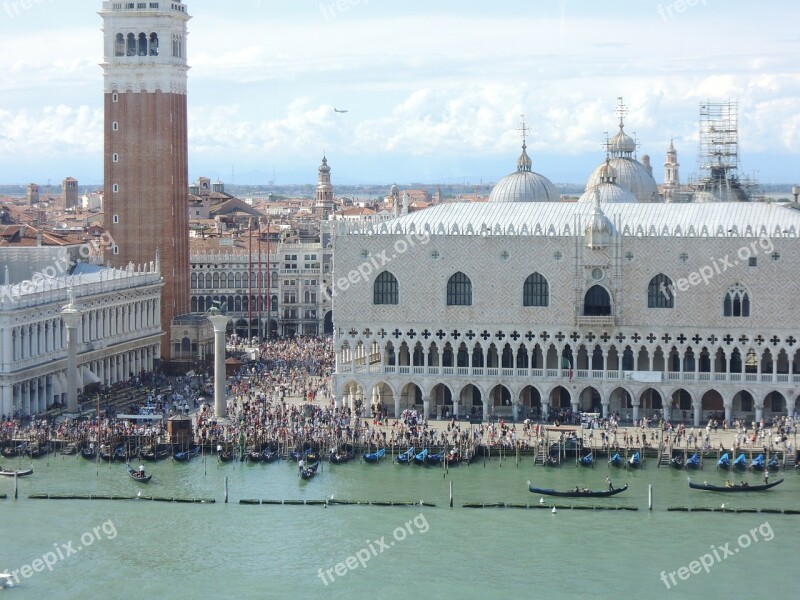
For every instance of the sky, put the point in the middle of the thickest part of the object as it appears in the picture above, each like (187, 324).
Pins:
(434, 90)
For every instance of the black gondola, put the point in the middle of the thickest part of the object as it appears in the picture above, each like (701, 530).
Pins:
(746, 487)
(773, 464)
(186, 455)
(13, 451)
(21, 473)
(552, 461)
(152, 455)
(577, 493)
(37, 451)
(225, 456)
(137, 475)
(634, 462)
(339, 458)
(435, 459)
(676, 462)
(309, 471)
(89, 452)
(270, 456)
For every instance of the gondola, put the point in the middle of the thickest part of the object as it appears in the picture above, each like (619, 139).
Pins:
(615, 461)
(434, 459)
(270, 456)
(724, 462)
(13, 451)
(406, 457)
(452, 458)
(186, 455)
(339, 458)
(154, 455)
(107, 453)
(89, 452)
(124, 454)
(225, 456)
(676, 462)
(37, 451)
(740, 464)
(576, 493)
(373, 457)
(309, 471)
(773, 464)
(758, 464)
(21, 473)
(634, 462)
(136, 475)
(419, 459)
(734, 488)
(552, 461)
(693, 462)
(255, 456)
(587, 461)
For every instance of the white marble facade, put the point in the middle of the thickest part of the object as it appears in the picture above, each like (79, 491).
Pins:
(660, 349)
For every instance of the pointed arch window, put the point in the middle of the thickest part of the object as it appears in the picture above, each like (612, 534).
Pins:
(385, 289)
(536, 291)
(459, 290)
(660, 292)
(737, 302)
(597, 302)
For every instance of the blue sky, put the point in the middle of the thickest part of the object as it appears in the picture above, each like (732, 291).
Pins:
(434, 90)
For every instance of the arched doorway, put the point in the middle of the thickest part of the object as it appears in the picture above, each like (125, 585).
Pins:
(500, 402)
(442, 400)
(472, 400)
(383, 397)
(411, 397)
(531, 402)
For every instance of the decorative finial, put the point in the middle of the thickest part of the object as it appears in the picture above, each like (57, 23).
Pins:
(524, 129)
(621, 111)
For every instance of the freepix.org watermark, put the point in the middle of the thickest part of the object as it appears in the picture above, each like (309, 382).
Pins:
(14, 8)
(329, 10)
(677, 7)
(376, 262)
(418, 524)
(717, 555)
(718, 266)
(60, 268)
(61, 552)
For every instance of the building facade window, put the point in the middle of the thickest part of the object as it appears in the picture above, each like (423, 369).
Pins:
(385, 289)
(459, 290)
(660, 292)
(736, 303)
(535, 291)
(597, 302)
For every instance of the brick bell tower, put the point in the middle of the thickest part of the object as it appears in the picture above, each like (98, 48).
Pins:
(146, 144)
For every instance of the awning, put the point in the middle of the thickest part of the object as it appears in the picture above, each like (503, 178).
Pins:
(89, 377)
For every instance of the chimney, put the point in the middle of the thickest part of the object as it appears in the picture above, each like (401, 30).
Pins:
(796, 193)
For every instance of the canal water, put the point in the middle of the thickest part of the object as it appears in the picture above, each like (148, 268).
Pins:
(145, 549)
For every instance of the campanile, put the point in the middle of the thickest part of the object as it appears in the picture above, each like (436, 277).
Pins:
(145, 197)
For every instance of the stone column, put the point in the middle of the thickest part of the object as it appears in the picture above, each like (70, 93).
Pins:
(698, 409)
(219, 322)
(635, 405)
(426, 407)
(71, 315)
(604, 408)
(397, 406)
(728, 411)
(759, 411)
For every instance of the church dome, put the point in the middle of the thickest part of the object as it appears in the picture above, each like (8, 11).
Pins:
(621, 143)
(524, 185)
(599, 229)
(324, 168)
(631, 175)
(610, 193)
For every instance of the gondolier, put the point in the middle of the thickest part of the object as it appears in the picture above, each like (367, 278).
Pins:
(766, 476)
(610, 485)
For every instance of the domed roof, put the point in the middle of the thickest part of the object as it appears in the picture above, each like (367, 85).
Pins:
(524, 185)
(610, 193)
(621, 144)
(631, 175)
(324, 168)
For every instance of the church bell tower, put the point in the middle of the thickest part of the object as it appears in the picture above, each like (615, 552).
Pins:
(146, 144)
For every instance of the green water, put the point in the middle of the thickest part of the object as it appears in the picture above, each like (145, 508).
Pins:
(158, 550)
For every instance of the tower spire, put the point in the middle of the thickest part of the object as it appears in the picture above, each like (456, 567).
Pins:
(621, 111)
(524, 163)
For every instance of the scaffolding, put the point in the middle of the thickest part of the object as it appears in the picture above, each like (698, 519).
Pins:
(718, 156)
